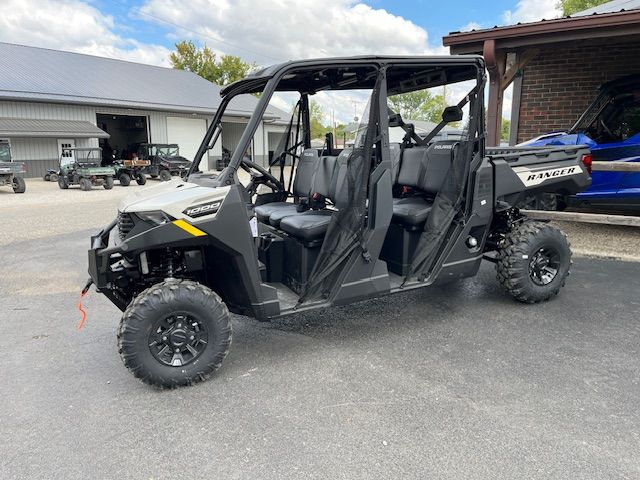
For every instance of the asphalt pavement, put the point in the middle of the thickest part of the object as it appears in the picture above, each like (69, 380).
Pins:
(456, 382)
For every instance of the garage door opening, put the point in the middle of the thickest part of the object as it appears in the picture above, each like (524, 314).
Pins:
(127, 132)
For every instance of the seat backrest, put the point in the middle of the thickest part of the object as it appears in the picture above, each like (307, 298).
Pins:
(394, 153)
(303, 181)
(339, 189)
(426, 168)
(323, 176)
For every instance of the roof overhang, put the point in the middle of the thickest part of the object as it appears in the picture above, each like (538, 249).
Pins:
(605, 25)
(35, 128)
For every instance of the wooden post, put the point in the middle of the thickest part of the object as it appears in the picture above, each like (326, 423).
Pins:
(495, 66)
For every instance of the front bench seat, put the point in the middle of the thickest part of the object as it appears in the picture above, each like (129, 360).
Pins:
(312, 225)
(301, 188)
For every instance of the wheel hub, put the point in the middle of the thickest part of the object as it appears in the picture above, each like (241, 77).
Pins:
(177, 339)
(544, 266)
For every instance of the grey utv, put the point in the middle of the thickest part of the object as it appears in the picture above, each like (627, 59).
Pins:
(345, 226)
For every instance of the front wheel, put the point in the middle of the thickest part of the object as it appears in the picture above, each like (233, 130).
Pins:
(534, 260)
(165, 175)
(19, 185)
(85, 184)
(63, 182)
(141, 179)
(175, 333)
(124, 179)
(108, 182)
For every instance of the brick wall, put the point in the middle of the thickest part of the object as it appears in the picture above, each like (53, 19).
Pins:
(562, 80)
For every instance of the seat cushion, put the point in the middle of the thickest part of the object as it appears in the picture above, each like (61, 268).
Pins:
(411, 210)
(264, 211)
(281, 212)
(307, 226)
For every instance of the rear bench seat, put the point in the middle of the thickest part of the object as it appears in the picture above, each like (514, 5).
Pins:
(302, 186)
(330, 183)
(423, 169)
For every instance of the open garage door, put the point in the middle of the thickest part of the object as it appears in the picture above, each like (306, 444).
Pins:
(187, 133)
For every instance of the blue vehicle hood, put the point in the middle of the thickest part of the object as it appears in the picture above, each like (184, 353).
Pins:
(559, 138)
(563, 138)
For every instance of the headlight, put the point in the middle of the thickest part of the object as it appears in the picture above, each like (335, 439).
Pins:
(155, 217)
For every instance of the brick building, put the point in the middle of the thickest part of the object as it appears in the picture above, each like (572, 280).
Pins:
(555, 65)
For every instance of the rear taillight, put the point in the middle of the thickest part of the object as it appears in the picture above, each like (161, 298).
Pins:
(588, 161)
(23, 168)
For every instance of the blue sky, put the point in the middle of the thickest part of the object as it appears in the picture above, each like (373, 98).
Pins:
(436, 17)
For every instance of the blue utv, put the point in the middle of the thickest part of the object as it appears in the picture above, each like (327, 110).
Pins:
(610, 127)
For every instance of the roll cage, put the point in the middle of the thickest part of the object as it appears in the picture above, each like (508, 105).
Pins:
(307, 77)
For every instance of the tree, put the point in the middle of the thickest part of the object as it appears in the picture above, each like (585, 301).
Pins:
(506, 130)
(418, 105)
(316, 117)
(569, 7)
(205, 63)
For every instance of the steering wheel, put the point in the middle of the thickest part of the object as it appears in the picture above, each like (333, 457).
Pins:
(260, 175)
(606, 129)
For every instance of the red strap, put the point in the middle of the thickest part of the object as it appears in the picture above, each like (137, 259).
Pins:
(83, 313)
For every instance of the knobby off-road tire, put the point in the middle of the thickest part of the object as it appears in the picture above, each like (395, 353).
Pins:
(85, 184)
(534, 261)
(63, 182)
(141, 179)
(53, 177)
(173, 314)
(47, 177)
(19, 185)
(108, 182)
(165, 175)
(124, 179)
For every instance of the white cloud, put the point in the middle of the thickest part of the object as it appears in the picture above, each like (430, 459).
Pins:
(532, 11)
(268, 31)
(72, 25)
(470, 26)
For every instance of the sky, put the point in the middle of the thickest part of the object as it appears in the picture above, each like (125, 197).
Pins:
(260, 31)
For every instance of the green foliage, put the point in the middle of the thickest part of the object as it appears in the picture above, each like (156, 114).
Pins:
(569, 7)
(205, 63)
(418, 105)
(316, 119)
(505, 130)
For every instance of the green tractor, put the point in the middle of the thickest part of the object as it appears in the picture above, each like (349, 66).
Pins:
(81, 166)
(9, 169)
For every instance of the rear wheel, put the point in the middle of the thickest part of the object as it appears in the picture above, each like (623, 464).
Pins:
(141, 179)
(108, 182)
(47, 177)
(165, 175)
(19, 186)
(53, 177)
(124, 179)
(85, 184)
(534, 261)
(63, 182)
(175, 333)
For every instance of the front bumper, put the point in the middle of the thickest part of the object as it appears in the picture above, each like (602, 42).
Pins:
(99, 254)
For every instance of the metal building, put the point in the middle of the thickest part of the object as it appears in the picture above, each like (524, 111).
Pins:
(50, 99)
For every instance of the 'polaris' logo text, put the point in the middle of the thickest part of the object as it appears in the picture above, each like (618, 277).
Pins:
(203, 209)
(531, 178)
(442, 147)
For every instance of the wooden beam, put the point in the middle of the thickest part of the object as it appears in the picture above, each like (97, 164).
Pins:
(615, 166)
(522, 60)
(599, 218)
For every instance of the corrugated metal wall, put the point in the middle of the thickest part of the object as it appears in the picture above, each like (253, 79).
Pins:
(42, 153)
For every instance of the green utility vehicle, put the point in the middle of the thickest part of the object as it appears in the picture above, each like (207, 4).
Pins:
(10, 169)
(81, 166)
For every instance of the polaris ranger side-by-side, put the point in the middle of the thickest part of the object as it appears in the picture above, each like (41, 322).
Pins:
(10, 170)
(349, 225)
(165, 159)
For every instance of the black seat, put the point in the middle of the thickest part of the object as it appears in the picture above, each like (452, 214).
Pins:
(331, 184)
(302, 185)
(424, 170)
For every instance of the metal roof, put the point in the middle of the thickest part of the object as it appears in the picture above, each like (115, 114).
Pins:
(28, 127)
(40, 74)
(610, 7)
